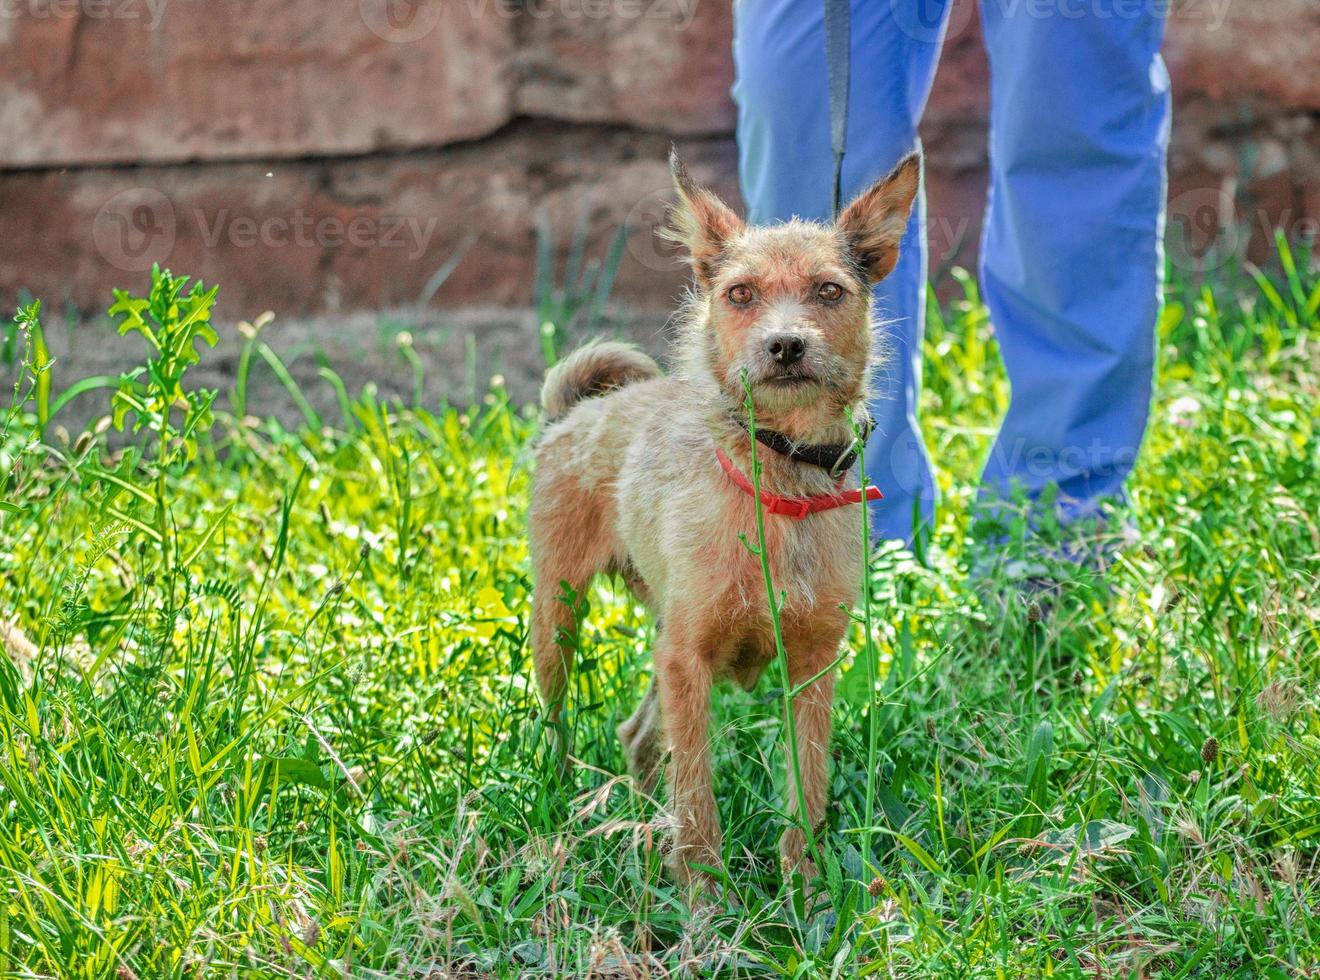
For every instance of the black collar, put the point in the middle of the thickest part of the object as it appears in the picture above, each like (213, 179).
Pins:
(834, 457)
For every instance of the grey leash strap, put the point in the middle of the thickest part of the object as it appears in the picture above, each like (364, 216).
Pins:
(838, 51)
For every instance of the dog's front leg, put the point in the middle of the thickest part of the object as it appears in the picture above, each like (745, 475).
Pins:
(811, 723)
(685, 678)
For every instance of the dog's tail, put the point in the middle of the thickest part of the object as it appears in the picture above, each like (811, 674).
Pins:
(593, 370)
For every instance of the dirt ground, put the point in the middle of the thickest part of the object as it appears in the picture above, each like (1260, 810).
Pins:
(460, 352)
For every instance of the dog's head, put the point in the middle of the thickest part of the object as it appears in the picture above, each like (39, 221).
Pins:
(790, 304)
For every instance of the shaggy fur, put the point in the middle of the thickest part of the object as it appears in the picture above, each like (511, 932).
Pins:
(628, 483)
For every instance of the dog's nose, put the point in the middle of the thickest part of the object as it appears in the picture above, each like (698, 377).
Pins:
(785, 348)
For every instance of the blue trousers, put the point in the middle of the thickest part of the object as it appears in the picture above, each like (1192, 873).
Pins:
(1071, 253)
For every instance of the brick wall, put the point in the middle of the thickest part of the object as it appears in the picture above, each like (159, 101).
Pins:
(313, 155)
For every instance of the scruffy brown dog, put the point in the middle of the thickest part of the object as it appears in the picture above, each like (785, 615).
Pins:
(651, 481)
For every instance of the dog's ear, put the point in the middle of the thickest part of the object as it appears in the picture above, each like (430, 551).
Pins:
(699, 221)
(876, 219)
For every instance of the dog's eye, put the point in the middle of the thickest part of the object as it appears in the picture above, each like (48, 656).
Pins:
(830, 292)
(740, 295)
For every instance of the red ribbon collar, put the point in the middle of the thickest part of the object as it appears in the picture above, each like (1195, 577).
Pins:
(795, 507)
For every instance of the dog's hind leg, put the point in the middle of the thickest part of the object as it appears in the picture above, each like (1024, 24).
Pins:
(555, 639)
(570, 544)
(643, 739)
(554, 644)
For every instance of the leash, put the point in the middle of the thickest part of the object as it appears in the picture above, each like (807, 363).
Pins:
(838, 59)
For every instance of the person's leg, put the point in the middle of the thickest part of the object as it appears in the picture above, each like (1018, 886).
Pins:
(1072, 253)
(787, 168)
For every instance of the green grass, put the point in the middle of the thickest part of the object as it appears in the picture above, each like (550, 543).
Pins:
(282, 723)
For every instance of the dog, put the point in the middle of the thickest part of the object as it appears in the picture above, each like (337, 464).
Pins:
(648, 476)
